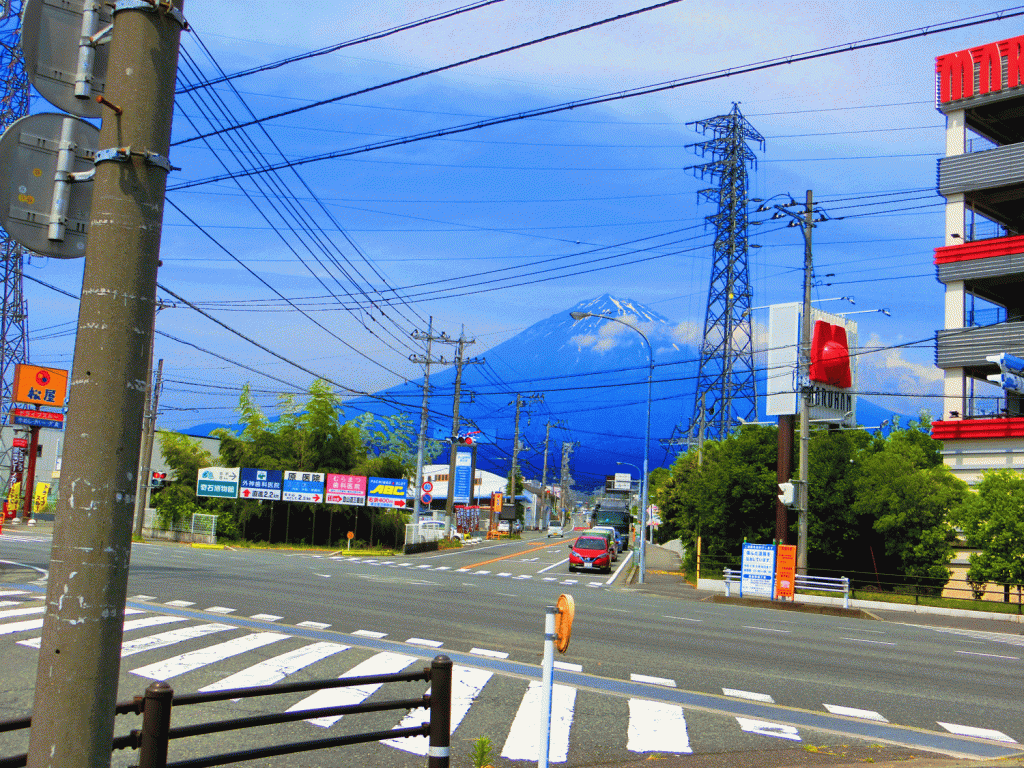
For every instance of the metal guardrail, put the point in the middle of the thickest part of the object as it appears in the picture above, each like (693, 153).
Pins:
(803, 583)
(153, 739)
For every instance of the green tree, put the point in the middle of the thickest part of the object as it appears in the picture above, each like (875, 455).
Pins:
(993, 520)
(177, 500)
(910, 499)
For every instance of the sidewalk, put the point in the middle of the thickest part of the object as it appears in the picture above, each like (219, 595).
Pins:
(665, 579)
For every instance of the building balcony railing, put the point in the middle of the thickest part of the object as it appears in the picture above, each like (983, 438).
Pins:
(968, 347)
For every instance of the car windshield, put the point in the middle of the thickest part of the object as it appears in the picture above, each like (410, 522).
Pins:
(591, 543)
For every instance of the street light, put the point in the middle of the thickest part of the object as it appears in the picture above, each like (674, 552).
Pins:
(647, 433)
(634, 466)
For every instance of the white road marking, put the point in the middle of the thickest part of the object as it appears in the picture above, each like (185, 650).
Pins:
(977, 733)
(863, 714)
(656, 727)
(769, 629)
(151, 621)
(313, 625)
(152, 642)
(180, 603)
(553, 565)
(481, 573)
(550, 578)
(21, 626)
(193, 660)
(143, 598)
(504, 575)
(571, 581)
(466, 686)
(265, 617)
(863, 640)
(427, 643)
(652, 680)
(219, 609)
(738, 694)
(12, 592)
(443, 568)
(684, 618)
(989, 655)
(523, 741)
(568, 666)
(323, 575)
(763, 728)
(425, 566)
(491, 654)
(276, 669)
(10, 614)
(9, 603)
(384, 663)
(369, 633)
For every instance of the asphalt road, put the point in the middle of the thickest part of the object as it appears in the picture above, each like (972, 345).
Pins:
(644, 675)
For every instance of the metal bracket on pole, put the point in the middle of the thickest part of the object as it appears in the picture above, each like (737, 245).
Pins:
(152, 5)
(124, 154)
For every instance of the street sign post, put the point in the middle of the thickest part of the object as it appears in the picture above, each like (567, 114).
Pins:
(262, 484)
(218, 482)
(386, 492)
(303, 486)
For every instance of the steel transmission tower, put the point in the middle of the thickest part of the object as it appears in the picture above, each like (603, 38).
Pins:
(13, 105)
(725, 383)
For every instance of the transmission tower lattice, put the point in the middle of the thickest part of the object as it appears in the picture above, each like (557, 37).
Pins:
(13, 105)
(726, 382)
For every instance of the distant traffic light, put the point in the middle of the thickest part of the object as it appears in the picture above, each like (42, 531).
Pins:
(158, 480)
(461, 440)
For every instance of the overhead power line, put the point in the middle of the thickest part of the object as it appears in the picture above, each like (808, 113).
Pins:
(338, 46)
(895, 37)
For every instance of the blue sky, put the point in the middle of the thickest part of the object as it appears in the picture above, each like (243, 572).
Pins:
(495, 229)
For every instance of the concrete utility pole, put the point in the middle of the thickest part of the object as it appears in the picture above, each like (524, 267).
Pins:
(566, 479)
(460, 362)
(146, 473)
(80, 654)
(513, 472)
(545, 514)
(426, 362)
(805, 388)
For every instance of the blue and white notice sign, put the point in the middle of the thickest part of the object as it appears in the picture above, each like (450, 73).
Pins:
(262, 484)
(463, 477)
(757, 573)
(303, 486)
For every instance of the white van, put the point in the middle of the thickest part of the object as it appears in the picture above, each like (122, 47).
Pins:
(437, 526)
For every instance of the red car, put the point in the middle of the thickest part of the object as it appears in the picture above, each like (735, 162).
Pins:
(590, 552)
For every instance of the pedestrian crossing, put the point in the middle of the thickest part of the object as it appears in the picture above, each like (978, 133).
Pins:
(469, 571)
(196, 654)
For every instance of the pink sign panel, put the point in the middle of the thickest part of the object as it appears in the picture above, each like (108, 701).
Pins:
(345, 489)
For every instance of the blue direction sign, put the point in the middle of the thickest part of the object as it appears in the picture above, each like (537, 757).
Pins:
(463, 485)
(303, 486)
(262, 484)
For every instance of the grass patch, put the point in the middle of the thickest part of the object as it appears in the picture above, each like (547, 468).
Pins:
(983, 606)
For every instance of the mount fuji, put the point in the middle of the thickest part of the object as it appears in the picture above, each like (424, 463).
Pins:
(586, 378)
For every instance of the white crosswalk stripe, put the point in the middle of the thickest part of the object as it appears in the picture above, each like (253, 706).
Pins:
(655, 726)
(278, 668)
(384, 663)
(193, 660)
(163, 639)
(467, 683)
(523, 742)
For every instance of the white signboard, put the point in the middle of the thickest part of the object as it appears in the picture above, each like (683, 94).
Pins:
(757, 574)
(828, 403)
(221, 482)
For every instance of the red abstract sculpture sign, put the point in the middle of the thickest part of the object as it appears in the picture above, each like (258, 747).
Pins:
(830, 355)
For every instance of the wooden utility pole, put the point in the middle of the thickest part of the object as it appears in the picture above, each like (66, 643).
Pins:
(80, 653)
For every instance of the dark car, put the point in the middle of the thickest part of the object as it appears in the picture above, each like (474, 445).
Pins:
(591, 552)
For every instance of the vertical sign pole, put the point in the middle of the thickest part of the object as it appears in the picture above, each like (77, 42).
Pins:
(547, 684)
(28, 487)
(79, 659)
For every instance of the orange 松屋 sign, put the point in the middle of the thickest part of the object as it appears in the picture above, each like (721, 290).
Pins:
(785, 571)
(40, 386)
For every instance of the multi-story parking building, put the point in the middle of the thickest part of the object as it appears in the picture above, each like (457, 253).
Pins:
(981, 92)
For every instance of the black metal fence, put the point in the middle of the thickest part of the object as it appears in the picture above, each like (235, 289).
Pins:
(153, 739)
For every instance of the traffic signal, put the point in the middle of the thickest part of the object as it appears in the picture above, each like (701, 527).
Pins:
(158, 479)
(461, 440)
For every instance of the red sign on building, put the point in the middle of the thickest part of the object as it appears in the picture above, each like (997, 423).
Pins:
(955, 71)
(830, 355)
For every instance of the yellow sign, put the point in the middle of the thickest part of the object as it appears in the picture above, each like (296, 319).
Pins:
(39, 497)
(14, 496)
(40, 386)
